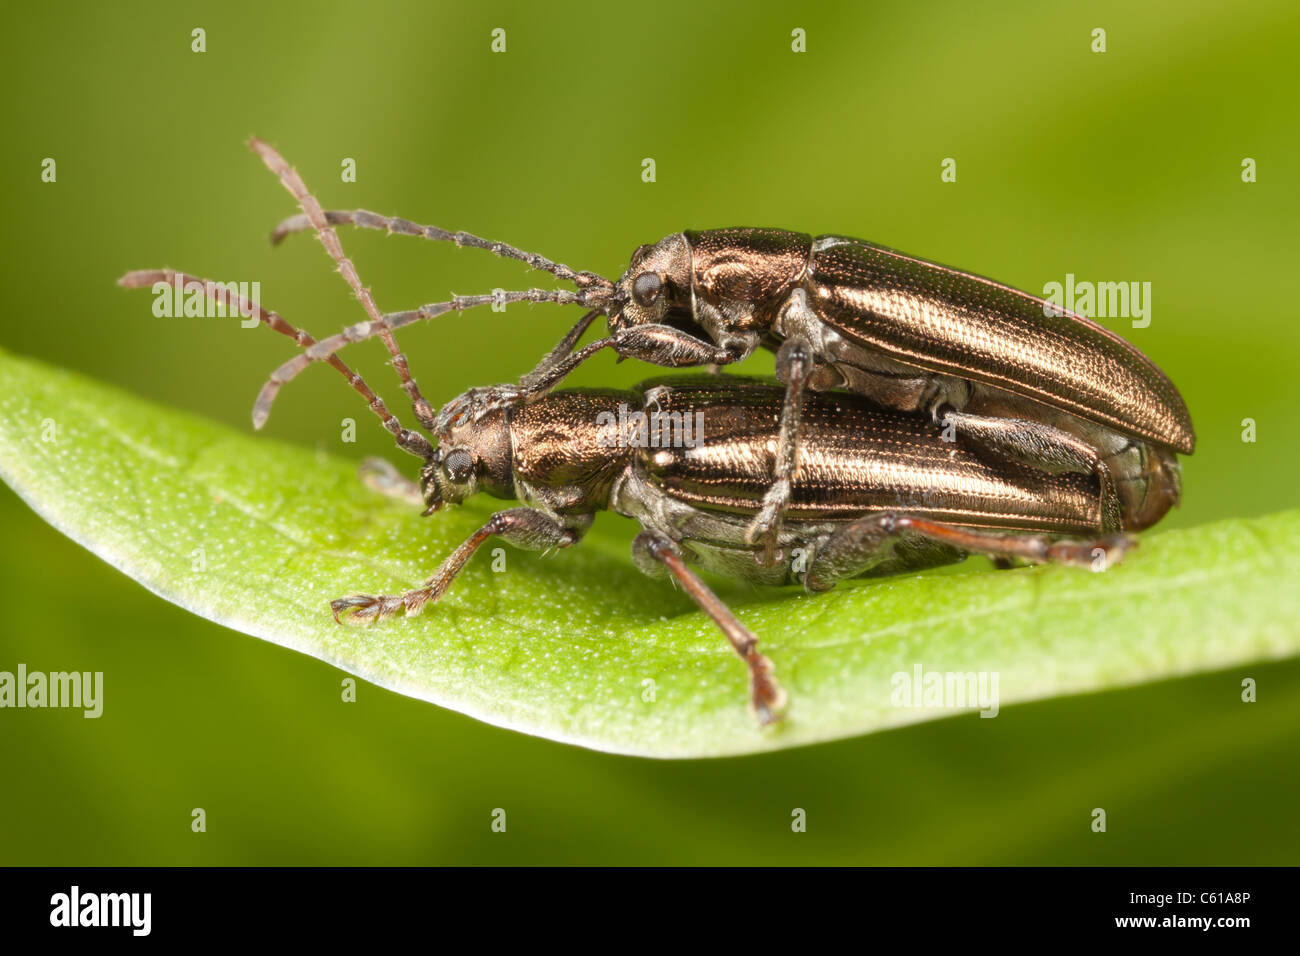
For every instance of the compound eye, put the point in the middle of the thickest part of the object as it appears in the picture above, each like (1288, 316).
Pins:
(459, 464)
(646, 288)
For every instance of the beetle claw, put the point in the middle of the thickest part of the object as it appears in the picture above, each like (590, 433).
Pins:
(364, 608)
(767, 699)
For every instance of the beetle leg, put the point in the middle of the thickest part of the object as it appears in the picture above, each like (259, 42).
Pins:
(1041, 446)
(660, 345)
(562, 350)
(766, 698)
(478, 401)
(525, 528)
(794, 366)
(379, 474)
(866, 542)
(668, 347)
(657, 344)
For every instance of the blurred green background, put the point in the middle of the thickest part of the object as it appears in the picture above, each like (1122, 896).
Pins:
(1117, 166)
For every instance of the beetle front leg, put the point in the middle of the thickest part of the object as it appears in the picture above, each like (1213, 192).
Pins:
(563, 349)
(660, 345)
(525, 528)
(856, 548)
(489, 398)
(794, 366)
(652, 552)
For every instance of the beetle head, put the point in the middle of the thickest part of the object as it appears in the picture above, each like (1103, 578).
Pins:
(657, 284)
(473, 455)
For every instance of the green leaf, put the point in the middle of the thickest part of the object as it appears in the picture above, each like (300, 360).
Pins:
(578, 646)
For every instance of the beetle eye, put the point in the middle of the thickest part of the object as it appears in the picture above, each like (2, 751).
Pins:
(646, 288)
(459, 464)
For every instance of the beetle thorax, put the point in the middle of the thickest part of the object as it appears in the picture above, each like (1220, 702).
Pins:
(574, 441)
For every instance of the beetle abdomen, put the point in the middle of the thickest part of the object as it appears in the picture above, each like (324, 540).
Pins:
(951, 322)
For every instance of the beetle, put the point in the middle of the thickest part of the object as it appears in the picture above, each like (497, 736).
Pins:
(880, 493)
(1004, 368)
(879, 489)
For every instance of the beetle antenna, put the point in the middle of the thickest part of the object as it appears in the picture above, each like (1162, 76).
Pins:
(316, 218)
(325, 348)
(224, 294)
(393, 225)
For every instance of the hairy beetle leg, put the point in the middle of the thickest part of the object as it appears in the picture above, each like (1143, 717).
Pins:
(381, 475)
(766, 698)
(657, 344)
(560, 353)
(525, 528)
(479, 401)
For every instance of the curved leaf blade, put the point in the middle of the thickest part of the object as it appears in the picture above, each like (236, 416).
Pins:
(579, 647)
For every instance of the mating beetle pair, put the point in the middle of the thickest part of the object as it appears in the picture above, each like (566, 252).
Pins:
(1065, 430)
(1005, 369)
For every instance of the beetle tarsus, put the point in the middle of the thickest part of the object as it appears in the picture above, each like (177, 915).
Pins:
(1097, 555)
(368, 608)
(364, 607)
(767, 697)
